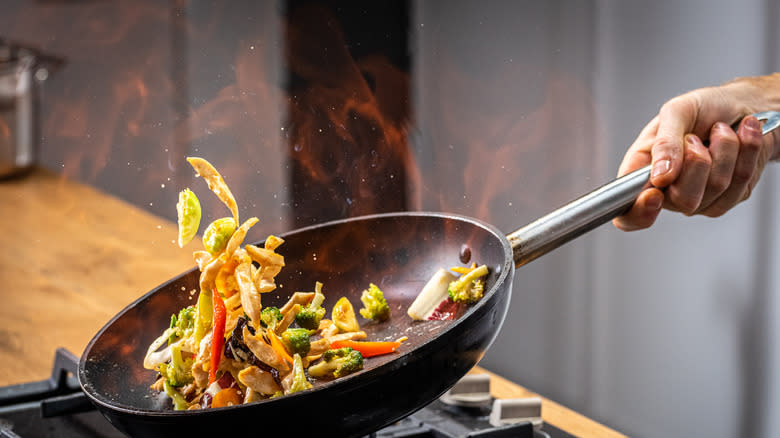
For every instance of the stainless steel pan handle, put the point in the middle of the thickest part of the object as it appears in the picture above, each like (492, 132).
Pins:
(588, 212)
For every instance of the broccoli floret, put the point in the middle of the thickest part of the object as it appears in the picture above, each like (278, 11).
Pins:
(469, 288)
(337, 363)
(179, 402)
(182, 324)
(296, 340)
(310, 319)
(177, 372)
(300, 382)
(270, 316)
(310, 316)
(374, 305)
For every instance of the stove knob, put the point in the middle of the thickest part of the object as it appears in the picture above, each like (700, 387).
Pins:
(471, 391)
(510, 411)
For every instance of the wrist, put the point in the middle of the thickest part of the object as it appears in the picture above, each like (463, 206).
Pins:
(755, 94)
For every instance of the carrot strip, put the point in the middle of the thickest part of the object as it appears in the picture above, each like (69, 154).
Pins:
(368, 349)
(276, 344)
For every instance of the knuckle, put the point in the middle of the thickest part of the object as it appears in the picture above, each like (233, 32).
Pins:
(752, 147)
(686, 104)
(664, 143)
(742, 176)
(718, 183)
(701, 160)
(685, 204)
(725, 136)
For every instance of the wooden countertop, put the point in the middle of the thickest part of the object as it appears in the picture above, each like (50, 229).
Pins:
(72, 257)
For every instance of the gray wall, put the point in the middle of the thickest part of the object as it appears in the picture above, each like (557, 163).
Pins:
(664, 332)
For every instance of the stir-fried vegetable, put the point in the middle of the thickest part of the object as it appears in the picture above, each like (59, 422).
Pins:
(374, 304)
(337, 363)
(310, 316)
(444, 294)
(188, 210)
(343, 316)
(278, 347)
(183, 324)
(218, 336)
(299, 380)
(203, 316)
(179, 402)
(179, 371)
(227, 348)
(270, 316)
(469, 288)
(434, 292)
(218, 233)
(215, 182)
(368, 348)
(296, 340)
(226, 397)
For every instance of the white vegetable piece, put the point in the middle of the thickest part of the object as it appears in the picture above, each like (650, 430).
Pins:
(434, 292)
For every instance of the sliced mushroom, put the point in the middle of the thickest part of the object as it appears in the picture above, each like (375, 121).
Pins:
(202, 259)
(215, 182)
(302, 298)
(264, 352)
(238, 236)
(272, 242)
(250, 297)
(265, 257)
(288, 319)
(209, 273)
(258, 380)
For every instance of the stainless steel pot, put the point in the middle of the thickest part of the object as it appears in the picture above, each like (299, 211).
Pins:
(21, 72)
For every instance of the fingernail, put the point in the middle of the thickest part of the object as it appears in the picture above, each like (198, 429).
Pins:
(691, 139)
(661, 167)
(752, 124)
(720, 126)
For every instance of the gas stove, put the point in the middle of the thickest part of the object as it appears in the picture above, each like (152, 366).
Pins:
(56, 407)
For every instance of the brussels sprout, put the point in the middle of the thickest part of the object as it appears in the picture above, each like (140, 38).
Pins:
(218, 233)
(188, 209)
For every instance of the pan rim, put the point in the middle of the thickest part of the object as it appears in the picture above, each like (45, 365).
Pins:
(506, 269)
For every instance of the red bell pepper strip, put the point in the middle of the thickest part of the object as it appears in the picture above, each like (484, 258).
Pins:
(218, 334)
(368, 349)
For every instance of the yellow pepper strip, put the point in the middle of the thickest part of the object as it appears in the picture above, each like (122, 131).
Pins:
(463, 270)
(460, 269)
(221, 282)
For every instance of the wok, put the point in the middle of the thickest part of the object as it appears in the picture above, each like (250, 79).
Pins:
(399, 252)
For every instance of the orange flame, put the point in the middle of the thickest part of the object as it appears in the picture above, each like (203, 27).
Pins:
(348, 139)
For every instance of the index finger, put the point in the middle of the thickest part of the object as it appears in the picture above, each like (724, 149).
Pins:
(676, 118)
(638, 155)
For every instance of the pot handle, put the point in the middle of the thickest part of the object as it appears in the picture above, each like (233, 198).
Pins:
(591, 210)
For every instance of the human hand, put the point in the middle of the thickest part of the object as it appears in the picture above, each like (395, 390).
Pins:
(687, 176)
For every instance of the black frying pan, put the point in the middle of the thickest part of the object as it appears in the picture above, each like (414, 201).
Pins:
(398, 252)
